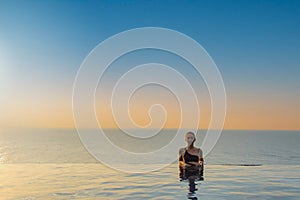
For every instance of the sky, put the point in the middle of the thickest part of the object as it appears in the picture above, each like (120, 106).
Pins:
(255, 45)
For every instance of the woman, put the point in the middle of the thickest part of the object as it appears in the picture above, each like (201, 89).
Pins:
(191, 164)
(191, 156)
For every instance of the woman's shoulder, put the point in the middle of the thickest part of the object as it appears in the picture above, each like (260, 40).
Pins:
(181, 150)
(200, 153)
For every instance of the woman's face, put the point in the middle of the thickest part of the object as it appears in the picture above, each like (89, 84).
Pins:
(189, 138)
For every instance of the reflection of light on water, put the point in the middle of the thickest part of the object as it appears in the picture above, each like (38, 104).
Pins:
(2, 156)
(2, 159)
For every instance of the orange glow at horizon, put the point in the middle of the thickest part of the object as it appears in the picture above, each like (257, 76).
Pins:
(240, 115)
(49, 108)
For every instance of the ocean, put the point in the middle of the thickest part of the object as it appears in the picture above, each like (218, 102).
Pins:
(53, 164)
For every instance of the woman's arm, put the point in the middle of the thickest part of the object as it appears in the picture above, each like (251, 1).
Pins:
(181, 159)
(200, 155)
(201, 160)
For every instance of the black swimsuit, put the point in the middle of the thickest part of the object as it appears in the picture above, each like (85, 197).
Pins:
(187, 157)
(191, 171)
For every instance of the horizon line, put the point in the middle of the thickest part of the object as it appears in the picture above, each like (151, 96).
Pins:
(107, 128)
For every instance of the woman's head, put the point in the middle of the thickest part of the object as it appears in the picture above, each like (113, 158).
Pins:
(190, 139)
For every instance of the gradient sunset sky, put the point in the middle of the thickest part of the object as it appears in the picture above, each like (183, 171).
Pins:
(255, 44)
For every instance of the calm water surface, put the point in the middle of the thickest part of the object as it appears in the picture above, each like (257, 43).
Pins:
(52, 164)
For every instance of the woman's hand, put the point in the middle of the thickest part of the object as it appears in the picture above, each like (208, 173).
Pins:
(184, 165)
(197, 164)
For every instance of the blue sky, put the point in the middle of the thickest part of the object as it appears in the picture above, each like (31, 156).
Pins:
(255, 44)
